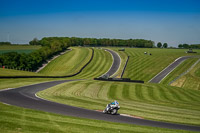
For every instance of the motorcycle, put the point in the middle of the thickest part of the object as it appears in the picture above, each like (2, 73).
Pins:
(112, 108)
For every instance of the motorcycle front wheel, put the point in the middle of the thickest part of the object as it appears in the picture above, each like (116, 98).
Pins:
(114, 111)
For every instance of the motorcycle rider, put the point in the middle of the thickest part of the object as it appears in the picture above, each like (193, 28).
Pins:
(112, 104)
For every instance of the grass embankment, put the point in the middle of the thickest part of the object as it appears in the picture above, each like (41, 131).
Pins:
(156, 102)
(100, 64)
(144, 67)
(69, 63)
(14, 83)
(15, 120)
(183, 67)
(191, 80)
(18, 48)
(12, 72)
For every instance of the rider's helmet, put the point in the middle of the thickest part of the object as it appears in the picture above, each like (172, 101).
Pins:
(116, 103)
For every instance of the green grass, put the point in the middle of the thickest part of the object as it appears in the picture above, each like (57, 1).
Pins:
(69, 63)
(13, 83)
(15, 120)
(100, 64)
(18, 48)
(189, 81)
(197, 71)
(145, 67)
(183, 67)
(156, 102)
(11, 72)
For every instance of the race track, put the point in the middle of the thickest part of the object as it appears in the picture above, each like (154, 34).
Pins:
(159, 77)
(26, 97)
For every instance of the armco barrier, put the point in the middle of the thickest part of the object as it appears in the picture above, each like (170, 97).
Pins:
(125, 67)
(53, 76)
(120, 80)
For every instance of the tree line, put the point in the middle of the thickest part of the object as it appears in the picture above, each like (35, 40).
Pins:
(54, 45)
(34, 60)
(75, 41)
(5, 43)
(187, 46)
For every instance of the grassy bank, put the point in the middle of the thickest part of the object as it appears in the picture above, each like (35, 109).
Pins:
(15, 120)
(157, 102)
(183, 67)
(191, 80)
(69, 63)
(144, 66)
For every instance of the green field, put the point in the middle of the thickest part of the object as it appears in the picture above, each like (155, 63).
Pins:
(157, 102)
(145, 67)
(11, 72)
(20, 120)
(18, 48)
(100, 64)
(183, 67)
(178, 103)
(191, 80)
(69, 63)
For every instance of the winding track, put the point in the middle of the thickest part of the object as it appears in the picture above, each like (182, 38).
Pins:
(160, 76)
(25, 97)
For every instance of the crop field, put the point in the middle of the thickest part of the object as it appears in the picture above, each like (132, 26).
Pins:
(157, 102)
(18, 48)
(144, 67)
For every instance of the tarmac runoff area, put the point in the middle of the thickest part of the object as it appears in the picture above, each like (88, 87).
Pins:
(26, 97)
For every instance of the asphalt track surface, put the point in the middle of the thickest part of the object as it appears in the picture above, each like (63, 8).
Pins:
(116, 63)
(26, 97)
(159, 77)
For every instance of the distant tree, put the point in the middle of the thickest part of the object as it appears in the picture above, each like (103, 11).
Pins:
(186, 46)
(159, 44)
(5, 43)
(165, 45)
(35, 41)
(180, 46)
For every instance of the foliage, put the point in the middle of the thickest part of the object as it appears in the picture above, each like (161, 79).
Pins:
(34, 42)
(5, 43)
(186, 46)
(165, 45)
(32, 60)
(159, 44)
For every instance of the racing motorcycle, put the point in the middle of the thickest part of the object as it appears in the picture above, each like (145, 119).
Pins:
(112, 108)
